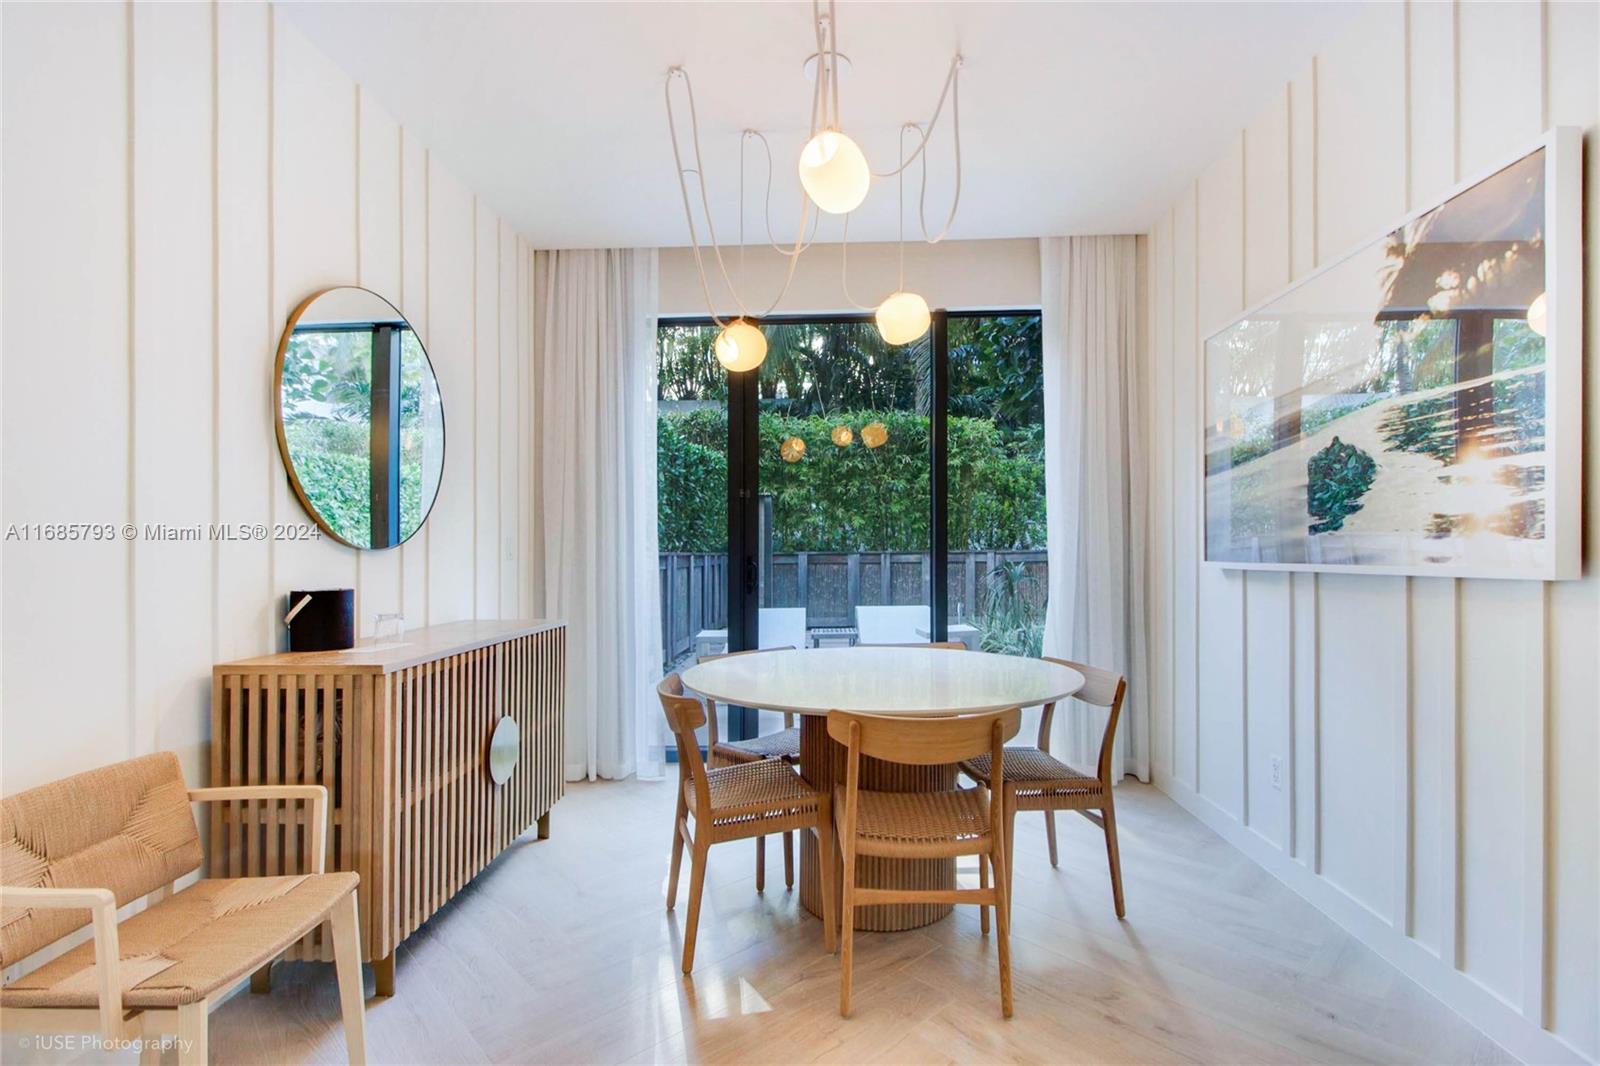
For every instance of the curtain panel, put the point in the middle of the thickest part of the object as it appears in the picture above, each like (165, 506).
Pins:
(595, 435)
(1095, 486)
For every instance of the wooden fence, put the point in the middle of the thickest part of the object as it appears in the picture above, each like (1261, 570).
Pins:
(829, 585)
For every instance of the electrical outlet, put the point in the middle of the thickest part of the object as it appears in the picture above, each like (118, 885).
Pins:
(1277, 773)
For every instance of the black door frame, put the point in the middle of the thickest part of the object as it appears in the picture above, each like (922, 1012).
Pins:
(744, 465)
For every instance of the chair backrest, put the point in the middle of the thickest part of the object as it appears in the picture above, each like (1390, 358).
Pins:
(879, 624)
(781, 627)
(922, 741)
(127, 827)
(942, 645)
(685, 714)
(1101, 688)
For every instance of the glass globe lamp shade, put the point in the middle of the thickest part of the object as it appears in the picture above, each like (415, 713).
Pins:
(903, 317)
(874, 434)
(792, 450)
(1536, 315)
(834, 172)
(842, 436)
(740, 346)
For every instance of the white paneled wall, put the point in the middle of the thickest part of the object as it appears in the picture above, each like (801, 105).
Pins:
(176, 179)
(1436, 739)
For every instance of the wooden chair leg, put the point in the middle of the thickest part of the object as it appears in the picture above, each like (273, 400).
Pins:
(983, 882)
(1113, 856)
(761, 864)
(343, 921)
(830, 885)
(1050, 834)
(788, 860)
(150, 1050)
(1002, 921)
(1008, 844)
(192, 1025)
(697, 884)
(847, 927)
(677, 851)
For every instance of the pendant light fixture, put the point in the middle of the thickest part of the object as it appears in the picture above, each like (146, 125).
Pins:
(740, 346)
(835, 179)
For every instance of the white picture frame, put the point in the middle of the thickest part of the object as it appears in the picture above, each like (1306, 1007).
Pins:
(1487, 511)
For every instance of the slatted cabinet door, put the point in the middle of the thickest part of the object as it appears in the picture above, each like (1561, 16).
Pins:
(399, 735)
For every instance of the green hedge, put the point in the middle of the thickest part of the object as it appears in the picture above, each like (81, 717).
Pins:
(854, 498)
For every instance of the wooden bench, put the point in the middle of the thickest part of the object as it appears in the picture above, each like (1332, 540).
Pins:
(74, 851)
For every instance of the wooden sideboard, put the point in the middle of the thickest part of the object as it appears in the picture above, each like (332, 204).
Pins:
(399, 734)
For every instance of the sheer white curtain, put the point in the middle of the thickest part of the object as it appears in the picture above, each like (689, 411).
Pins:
(1095, 493)
(595, 433)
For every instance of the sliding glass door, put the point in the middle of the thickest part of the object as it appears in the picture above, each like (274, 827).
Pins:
(819, 488)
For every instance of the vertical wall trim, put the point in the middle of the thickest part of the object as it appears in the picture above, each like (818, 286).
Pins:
(361, 588)
(1450, 795)
(216, 332)
(1316, 725)
(400, 230)
(1244, 576)
(427, 314)
(1200, 505)
(1535, 934)
(130, 648)
(1455, 91)
(1291, 697)
(1405, 816)
(475, 411)
(272, 308)
(499, 422)
(1171, 383)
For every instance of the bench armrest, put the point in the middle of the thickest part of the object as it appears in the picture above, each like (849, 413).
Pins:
(316, 794)
(102, 906)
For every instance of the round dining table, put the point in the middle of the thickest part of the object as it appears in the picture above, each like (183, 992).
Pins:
(913, 682)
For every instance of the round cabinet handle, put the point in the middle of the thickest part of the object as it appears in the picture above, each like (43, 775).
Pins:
(503, 750)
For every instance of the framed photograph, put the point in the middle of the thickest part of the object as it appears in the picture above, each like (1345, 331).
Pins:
(1414, 407)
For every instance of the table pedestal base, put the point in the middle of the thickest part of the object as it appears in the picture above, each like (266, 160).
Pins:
(822, 764)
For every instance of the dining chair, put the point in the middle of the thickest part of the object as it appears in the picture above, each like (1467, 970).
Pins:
(921, 825)
(946, 645)
(1034, 780)
(735, 802)
(784, 744)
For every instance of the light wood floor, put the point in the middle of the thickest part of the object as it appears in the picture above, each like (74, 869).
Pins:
(562, 952)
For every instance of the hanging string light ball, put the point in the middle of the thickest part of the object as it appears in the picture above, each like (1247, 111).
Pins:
(903, 317)
(874, 434)
(792, 450)
(843, 436)
(740, 346)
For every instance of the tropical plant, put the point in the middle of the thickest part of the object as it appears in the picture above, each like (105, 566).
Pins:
(1012, 622)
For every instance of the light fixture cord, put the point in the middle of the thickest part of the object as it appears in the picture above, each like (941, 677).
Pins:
(922, 196)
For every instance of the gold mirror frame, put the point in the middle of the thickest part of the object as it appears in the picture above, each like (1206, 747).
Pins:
(283, 441)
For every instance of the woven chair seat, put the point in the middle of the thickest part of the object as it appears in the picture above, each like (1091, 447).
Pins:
(784, 744)
(768, 789)
(918, 824)
(1032, 770)
(199, 941)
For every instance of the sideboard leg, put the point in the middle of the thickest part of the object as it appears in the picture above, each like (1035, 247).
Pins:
(544, 826)
(261, 980)
(383, 974)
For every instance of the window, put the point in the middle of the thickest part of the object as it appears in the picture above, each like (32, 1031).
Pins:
(859, 469)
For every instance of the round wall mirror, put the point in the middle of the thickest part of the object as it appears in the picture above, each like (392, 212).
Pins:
(360, 421)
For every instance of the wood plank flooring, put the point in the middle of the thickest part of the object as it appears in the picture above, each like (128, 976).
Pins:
(562, 952)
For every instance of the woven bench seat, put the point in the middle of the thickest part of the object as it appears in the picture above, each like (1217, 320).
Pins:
(202, 940)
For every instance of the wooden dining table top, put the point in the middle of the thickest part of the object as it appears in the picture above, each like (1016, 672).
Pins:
(909, 681)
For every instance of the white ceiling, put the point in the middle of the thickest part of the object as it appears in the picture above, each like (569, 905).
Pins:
(1076, 118)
